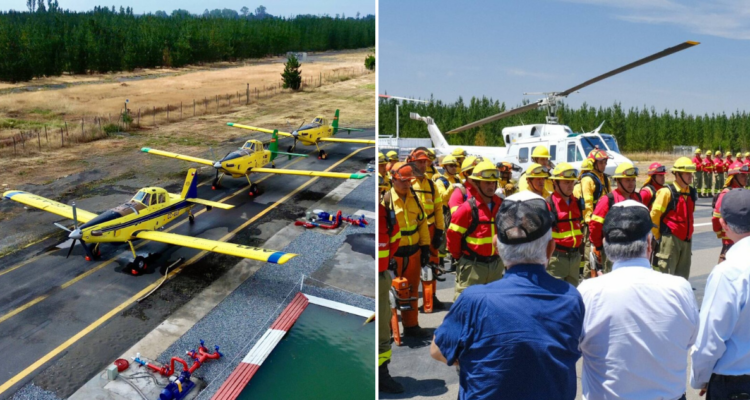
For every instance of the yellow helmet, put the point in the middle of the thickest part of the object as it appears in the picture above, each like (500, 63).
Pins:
(708, 153)
(626, 170)
(448, 160)
(718, 153)
(697, 151)
(431, 154)
(381, 158)
(540, 152)
(747, 154)
(469, 163)
(392, 156)
(485, 171)
(587, 165)
(458, 152)
(738, 155)
(537, 171)
(683, 164)
(564, 172)
(382, 182)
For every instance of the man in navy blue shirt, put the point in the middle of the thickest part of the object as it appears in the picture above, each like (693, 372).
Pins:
(516, 338)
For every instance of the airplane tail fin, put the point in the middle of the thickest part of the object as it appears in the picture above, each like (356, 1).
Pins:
(190, 188)
(438, 140)
(335, 123)
(274, 145)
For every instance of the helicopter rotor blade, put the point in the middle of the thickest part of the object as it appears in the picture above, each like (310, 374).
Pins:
(504, 114)
(645, 60)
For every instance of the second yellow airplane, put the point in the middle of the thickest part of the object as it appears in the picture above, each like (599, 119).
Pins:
(311, 134)
(251, 158)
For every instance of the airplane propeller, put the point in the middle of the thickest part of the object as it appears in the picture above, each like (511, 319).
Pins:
(295, 134)
(75, 234)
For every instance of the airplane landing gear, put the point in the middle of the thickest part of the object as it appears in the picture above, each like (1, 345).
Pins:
(322, 155)
(254, 191)
(191, 217)
(94, 253)
(138, 265)
(217, 182)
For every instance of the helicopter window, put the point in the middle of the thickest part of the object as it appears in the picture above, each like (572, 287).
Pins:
(590, 143)
(573, 153)
(611, 142)
(523, 155)
(553, 152)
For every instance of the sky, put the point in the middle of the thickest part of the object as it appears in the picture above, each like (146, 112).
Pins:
(502, 49)
(282, 8)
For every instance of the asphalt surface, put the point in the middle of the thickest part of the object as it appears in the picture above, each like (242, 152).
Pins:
(62, 320)
(425, 378)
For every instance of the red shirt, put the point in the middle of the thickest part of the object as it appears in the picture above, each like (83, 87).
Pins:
(698, 161)
(680, 220)
(386, 247)
(480, 240)
(457, 198)
(718, 165)
(567, 232)
(647, 196)
(727, 164)
(600, 212)
(708, 165)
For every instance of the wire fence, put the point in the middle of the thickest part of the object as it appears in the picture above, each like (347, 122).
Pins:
(74, 131)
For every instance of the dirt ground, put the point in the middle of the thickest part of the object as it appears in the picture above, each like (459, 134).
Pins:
(50, 100)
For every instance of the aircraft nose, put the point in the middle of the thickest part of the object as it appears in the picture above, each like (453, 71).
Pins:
(217, 165)
(76, 234)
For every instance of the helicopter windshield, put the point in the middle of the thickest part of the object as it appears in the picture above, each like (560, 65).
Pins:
(590, 142)
(610, 141)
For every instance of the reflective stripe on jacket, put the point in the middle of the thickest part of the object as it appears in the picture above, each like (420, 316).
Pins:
(567, 232)
(387, 241)
(433, 206)
(600, 212)
(680, 220)
(480, 240)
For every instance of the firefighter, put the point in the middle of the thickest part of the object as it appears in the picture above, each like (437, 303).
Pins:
(382, 171)
(460, 194)
(540, 156)
(429, 197)
(624, 176)
(430, 172)
(536, 178)
(505, 185)
(460, 155)
(594, 185)
(389, 236)
(708, 175)
(587, 165)
(472, 229)
(698, 161)
(392, 157)
(727, 163)
(413, 251)
(718, 173)
(566, 259)
(747, 158)
(736, 178)
(672, 215)
(446, 184)
(657, 174)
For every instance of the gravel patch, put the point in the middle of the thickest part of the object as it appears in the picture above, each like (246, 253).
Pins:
(33, 392)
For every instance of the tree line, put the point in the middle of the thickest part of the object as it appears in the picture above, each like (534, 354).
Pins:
(50, 41)
(636, 129)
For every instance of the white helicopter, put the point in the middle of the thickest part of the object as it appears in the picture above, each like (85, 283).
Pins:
(563, 144)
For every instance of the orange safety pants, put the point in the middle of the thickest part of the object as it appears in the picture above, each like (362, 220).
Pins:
(412, 275)
(434, 252)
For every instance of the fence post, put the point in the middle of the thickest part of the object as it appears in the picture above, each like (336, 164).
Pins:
(194, 107)
(167, 112)
(247, 95)
(139, 119)
(62, 138)
(39, 140)
(45, 135)
(154, 115)
(180, 110)
(66, 128)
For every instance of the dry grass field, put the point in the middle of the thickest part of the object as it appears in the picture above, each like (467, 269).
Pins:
(353, 95)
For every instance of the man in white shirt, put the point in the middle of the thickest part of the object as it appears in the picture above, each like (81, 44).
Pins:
(721, 355)
(639, 324)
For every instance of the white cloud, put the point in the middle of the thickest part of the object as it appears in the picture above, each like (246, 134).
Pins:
(723, 18)
(532, 74)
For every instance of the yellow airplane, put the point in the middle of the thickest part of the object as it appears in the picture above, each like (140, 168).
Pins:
(311, 134)
(142, 218)
(251, 158)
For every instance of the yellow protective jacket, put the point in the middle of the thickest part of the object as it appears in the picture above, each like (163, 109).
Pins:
(411, 219)
(588, 187)
(446, 192)
(431, 201)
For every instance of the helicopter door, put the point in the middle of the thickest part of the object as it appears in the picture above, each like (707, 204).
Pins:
(574, 153)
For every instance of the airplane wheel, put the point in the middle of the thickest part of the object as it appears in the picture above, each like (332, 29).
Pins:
(254, 189)
(322, 155)
(289, 149)
(97, 254)
(139, 265)
(191, 218)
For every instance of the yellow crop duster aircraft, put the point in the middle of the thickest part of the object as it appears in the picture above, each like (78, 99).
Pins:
(251, 158)
(141, 218)
(311, 134)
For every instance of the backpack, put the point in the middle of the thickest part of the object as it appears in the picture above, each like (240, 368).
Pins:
(716, 197)
(653, 191)
(611, 198)
(598, 186)
(473, 224)
(388, 202)
(432, 192)
(673, 199)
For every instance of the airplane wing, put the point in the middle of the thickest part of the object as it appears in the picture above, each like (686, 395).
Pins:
(337, 140)
(48, 205)
(309, 173)
(177, 156)
(232, 249)
(342, 128)
(210, 203)
(252, 128)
